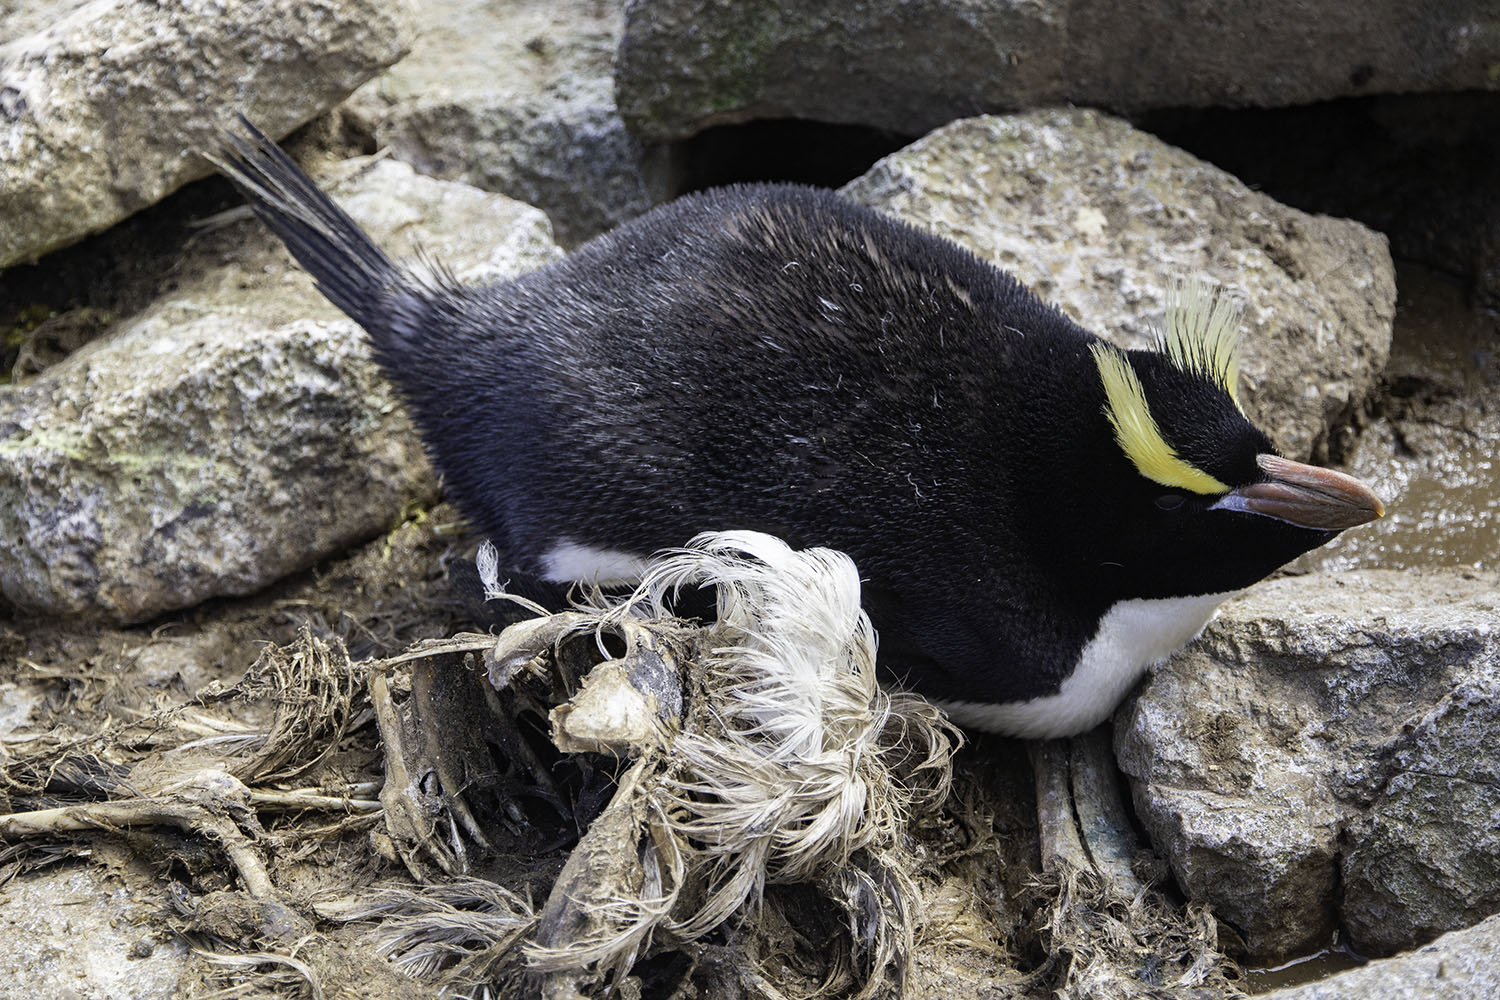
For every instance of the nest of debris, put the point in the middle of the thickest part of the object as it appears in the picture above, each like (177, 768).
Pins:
(609, 801)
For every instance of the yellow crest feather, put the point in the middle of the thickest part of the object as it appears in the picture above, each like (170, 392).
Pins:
(1136, 431)
(1202, 335)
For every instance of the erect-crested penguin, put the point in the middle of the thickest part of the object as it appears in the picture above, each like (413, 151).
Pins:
(1038, 515)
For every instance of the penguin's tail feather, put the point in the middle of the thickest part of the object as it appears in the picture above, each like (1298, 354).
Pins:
(350, 270)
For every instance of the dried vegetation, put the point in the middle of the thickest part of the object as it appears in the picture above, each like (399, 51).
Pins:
(610, 801)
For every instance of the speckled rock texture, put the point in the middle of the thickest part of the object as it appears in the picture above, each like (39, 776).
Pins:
(911, 66)
(104, 103)
(516, 98)
(75, 933)
(1102, 219)
(236, 430)
(1329, 754)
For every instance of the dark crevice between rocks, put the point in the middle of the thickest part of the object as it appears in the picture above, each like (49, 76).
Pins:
(822, 154)
(1419, 168)
(73, 294)
(52, 307)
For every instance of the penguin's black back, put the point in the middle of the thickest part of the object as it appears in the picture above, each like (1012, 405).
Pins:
(777, 358)
(757, 346)
(770, 357)
(1038, 516)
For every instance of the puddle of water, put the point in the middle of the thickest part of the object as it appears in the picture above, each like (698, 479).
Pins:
(1431, 456)
(1307, 969)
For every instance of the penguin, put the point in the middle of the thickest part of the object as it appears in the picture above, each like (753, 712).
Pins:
(1038, 516)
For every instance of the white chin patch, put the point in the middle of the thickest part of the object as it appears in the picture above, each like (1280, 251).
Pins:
(1132, 636)
(573, 563)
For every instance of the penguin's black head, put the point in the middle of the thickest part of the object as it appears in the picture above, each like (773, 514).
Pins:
(1198, 501)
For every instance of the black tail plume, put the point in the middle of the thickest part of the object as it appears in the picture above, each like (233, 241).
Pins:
(349, 269)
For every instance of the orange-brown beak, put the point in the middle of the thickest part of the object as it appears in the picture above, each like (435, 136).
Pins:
(1305, 495)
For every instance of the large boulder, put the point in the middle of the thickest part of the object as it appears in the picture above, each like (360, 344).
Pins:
(1102, 220)
(910, 66)
(237, 429)
(516, 98)
(1329, 755)
(103, 104)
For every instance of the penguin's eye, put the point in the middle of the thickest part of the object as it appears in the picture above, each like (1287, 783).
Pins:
(1169, 501)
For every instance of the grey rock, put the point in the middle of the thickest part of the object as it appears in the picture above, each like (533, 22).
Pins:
(73, 931)
(234, 431)
(27, 17)
(1102, 219)
(1329, 729)
(1424, 855)
(1461, 965)
(909, 67)
(516, 98)
(102, 108)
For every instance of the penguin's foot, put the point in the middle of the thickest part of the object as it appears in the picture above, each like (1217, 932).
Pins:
(1082, 817)
(1107, 931)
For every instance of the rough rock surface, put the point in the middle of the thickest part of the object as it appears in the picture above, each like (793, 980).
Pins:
(234, 431)
(74, 932)
(1101, 219)
(102, 108)
(909, 67)
(1462, 965)
(516, 98)
(1326, 731)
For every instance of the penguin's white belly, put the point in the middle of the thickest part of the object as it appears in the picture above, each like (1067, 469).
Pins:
(1132, 636)
(569, 562)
